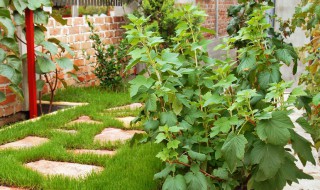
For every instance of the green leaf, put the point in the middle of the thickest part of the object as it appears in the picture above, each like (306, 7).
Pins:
(165, 172)
(175, 183)
(65, 47)
(221, 173)
(247, 62)
(4, 12)
(151, 125)
(10, 73)
(233, 150)
(153, 41)
(223, 125)
(302, 147)
(17, 90)
(275, 130)
(316, 99)
(59, 18)
(51, 47)
(35, 4)
(168, 118)
(305, 125)
(206, 30)
(197, 156)
(39, 35)
(269, 159)
(284, 55)
(40, 85)
(20, 5)
(140, 85)
(272, 75)
(3, 55)
(14, 62)
(40, 17)
(11, 44)
(2, 97)
(18, 19)
(214, 99)
(196, 181)
(44, 65)
(151, 103)
(65, 63)
(4, 3)
(7, 25)
(160, 137)
(177, 106)
(174, 144)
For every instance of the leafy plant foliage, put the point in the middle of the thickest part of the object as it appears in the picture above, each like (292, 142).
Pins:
(52, 56)
(111, 61)
(222, 126)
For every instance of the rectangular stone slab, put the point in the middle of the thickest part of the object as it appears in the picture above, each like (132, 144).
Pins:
(73, 170)
(10, 188)
(114, 134)
(27, 142)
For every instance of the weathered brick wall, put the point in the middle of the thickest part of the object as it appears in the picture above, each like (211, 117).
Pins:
(76, 33)
(12, 104)
(210, 7)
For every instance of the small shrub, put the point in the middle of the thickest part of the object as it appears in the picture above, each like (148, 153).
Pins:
(110, 62)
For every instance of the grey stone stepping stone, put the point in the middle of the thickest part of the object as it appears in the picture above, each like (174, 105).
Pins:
(114, 134)
(66, 131)
(132, 106)
(97, 152)
(73, 170)
(84, 119)
(10, 188)
(27, 142)
(126, 121)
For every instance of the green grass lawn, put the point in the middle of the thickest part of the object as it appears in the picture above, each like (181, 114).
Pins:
(132, 168)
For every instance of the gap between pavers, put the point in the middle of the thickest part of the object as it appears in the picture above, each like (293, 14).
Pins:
(10, 188)
(132, 106)
(115, 134)
(94, 152)
(84, 119)
(27, 142)
(67, 169)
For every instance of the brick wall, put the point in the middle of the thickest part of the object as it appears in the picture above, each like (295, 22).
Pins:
(210, 8)
(76, 33)
(12, 104)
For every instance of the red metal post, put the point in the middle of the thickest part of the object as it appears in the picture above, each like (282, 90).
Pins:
(31, 64)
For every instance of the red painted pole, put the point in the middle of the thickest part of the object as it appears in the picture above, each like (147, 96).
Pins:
(33, 113)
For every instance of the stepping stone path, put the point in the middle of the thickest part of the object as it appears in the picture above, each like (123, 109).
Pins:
(27, 142)
(126, 121)
(114, 134)
(66, 131)
(84, 119)
(130, 106)
(72, 170)
(10, 188)
(97, 152)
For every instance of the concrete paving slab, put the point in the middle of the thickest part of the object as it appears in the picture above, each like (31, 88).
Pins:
(27, 142)
(97, 152)
(73, 170)
(126, 121)
(84, 119)
(10, 188)
(114, 134)
(132, 106)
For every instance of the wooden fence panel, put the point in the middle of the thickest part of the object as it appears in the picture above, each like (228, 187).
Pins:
(88, 2)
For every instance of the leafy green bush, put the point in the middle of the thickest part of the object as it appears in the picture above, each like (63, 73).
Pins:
(218, 132)
(91, 10)
(110, 62)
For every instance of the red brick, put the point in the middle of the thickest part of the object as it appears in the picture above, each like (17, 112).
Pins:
(9, 99)
(55, 31)
(74, 30)
(100, 20)
(78, 21)
(109, 19)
